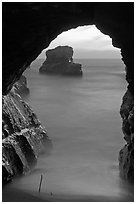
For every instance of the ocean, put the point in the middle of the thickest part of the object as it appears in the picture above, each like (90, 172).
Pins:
(81, 116)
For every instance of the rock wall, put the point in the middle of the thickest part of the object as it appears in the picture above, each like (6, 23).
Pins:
(21, 85)
(28, 28)
(23, 137)
(126, 155)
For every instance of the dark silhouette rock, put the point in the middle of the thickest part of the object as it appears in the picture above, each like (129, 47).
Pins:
(59, 54)
(126, 155)
(21, 85)
(59, 61)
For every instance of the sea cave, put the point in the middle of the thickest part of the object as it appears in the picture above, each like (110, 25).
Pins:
(28, 28)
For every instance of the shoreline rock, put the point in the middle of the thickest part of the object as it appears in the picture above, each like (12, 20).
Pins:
(23, 137)
(126, 154)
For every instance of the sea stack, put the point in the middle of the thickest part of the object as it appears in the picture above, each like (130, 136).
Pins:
(59, 61)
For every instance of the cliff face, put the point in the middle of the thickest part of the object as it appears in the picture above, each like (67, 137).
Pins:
(59, 61)
(28, 28)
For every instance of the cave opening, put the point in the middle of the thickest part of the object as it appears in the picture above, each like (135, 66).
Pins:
(88, 43)
(81, 115)
(84, 125)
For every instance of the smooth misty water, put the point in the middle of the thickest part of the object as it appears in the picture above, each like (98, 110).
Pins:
(82, 118)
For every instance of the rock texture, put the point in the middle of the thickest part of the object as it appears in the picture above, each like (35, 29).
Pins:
(21, 85)
(126, 156)
(29, 27)
(23, 137)
(59, 61)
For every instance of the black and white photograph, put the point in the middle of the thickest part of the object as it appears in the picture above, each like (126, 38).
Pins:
(67, 101)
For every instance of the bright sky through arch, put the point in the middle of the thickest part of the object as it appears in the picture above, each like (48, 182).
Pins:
(87, 42)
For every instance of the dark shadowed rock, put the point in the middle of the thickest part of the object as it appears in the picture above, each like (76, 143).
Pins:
(126, 155)
(21, 85)
(59, 61)
(59, 54)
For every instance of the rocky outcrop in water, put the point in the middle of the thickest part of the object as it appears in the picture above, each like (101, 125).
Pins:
(21, 85)
(23, 137)
(59, 61)
(126, 155)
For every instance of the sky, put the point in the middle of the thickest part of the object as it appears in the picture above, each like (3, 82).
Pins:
(87, 42)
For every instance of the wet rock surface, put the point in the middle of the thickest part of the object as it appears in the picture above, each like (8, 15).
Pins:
(126, 155)
(59, 61)
(23, 137)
